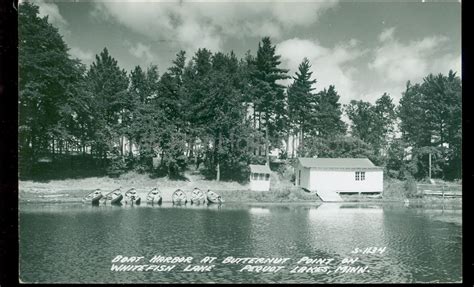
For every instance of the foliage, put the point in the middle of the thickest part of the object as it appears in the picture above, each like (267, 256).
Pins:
(49, 88)
(374, 124)
(329, 113)
(339, 146)
(267, 94)
(430, 115)
(217, 110)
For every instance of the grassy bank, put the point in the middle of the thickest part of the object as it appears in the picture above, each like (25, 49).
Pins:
(73, 190)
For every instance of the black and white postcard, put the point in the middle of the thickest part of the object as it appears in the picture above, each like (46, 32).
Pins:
(240, 141)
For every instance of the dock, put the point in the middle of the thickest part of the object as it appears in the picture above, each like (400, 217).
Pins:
(440, 190)
(329, 196)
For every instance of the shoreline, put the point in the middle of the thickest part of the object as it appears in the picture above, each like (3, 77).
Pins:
(73, 190)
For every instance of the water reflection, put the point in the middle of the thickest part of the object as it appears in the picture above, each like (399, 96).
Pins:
(76, 243)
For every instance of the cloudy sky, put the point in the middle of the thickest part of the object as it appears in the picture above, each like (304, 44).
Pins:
(363, 48)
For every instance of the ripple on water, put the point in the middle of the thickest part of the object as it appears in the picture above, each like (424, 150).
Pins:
(76, 243)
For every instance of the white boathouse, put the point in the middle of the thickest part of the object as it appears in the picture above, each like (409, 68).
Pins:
(341, 175)
(259, 177)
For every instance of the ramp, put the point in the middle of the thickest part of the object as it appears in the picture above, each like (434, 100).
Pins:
(329, 196)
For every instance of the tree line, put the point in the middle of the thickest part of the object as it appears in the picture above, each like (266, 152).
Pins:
(218, 111)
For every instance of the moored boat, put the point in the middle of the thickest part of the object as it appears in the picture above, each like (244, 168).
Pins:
(213, 197)
(115, 197)
(93, 197)
(154, 196)
(179, 197)
(132, 197)
(197, 196)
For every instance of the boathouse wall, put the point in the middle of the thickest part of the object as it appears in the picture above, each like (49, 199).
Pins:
(344, 175)
(345, 181)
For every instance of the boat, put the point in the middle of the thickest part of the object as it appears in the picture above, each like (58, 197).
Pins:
(154, 196)
(179, 197)
(213, 197)
(93, 197)
(132, 197)
(115, 196)
(197, 196)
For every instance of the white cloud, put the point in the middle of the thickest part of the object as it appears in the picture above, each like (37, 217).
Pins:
(196, 24)
(85, 56)
(54, 16)
(330, 66)
(142, 51)
(448, 62)
(395, 62)
(399, 62)
(386, 34)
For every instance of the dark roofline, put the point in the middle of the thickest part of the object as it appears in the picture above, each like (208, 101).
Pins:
(325, 164)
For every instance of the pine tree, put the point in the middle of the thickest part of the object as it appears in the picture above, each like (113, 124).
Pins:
(109, 87)
(329, 113)
(268, 95)
(301, 101)
(430, 115)
(49, 82)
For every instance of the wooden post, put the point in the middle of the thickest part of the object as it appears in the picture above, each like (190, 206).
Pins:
(267, 150)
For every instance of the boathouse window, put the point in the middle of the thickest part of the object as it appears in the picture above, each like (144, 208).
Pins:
(359, 175)
(260, 176)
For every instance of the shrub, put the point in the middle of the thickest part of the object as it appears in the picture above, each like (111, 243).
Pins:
(282, 193)
(410, 187)
(116, 167)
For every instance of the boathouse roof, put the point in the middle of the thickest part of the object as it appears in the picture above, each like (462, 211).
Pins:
(257, 168)
(337, 163)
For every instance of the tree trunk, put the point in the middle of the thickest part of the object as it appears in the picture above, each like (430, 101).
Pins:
(191, 148)
(218, 166)
(288, 144)
(52, 148)
(254, 127)
(121, 142)
(302, 137)
(259, 129)
(293, 146)
(267, 155)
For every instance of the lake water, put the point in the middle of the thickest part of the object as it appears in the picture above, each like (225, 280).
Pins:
(77, 243)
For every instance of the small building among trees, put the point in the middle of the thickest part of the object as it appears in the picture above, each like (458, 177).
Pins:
(341, 175)
(259, 177)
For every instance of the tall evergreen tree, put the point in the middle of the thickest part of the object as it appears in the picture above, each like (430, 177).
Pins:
(49, 82)
(374, 124)
(109, 86)
(386, 120)
(363, 119)
(302, 108)
(268, 94)
(430, 115)
(329, 122)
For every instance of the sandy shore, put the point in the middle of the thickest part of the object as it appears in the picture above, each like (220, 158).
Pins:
(73, 190)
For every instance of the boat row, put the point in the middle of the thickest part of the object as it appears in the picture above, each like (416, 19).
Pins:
(153, 197)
